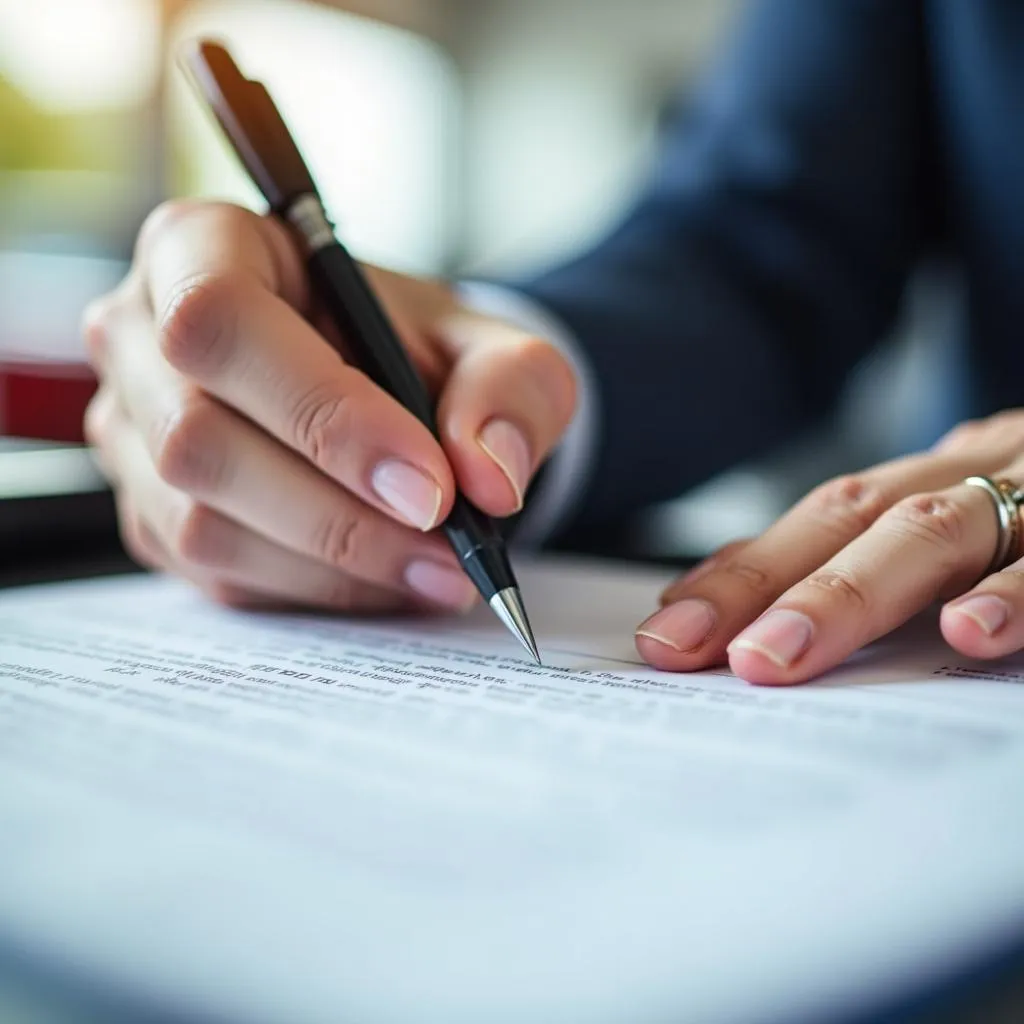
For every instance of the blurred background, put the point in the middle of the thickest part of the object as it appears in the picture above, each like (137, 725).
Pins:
(457, 137)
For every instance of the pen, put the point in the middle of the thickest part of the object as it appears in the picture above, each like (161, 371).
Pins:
(266, 149)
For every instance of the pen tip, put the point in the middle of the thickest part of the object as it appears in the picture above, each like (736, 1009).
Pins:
(508, 606)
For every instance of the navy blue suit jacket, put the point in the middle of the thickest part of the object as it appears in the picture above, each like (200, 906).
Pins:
(836, 144)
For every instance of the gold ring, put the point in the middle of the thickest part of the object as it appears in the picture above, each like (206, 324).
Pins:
(1007, 498)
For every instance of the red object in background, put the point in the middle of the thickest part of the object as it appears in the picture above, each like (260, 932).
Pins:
(45, 379)
(44, 400)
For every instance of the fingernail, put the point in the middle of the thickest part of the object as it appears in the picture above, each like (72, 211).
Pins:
(781, 636)
(409, 491)
(508, 448)
(988, 611)
(441, 584)
(683, 626)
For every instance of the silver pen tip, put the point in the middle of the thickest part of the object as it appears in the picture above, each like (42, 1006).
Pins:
(508, 606)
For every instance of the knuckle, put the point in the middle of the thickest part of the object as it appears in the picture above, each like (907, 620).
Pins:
(1004, 418)
(1008, 426)
(540, 352)
(731, 547)
(1002, 434)
(98, 310)
(961, 436)
(95, 327)
(851, 503)
(200, 538)
(321, 418)
(189, 454)
(161, 218)
(98, 419)
(932, 518)
(553, 372)
(839, 584)
(338, 540)
(104, 320)
(199, 328)
(753, 577)
(97, 343)
(171, 214)
(674, 591)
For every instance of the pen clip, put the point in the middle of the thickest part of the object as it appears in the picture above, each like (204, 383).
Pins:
(252, 124)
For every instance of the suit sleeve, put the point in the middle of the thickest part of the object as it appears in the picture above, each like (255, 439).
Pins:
(766, 256)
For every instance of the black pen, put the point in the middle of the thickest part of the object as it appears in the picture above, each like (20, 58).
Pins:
(266, 149)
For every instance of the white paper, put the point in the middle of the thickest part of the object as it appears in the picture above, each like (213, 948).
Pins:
(301, 819)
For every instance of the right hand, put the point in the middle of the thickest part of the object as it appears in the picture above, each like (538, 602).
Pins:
(248, 457)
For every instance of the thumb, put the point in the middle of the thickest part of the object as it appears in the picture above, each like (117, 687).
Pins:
(508, 400)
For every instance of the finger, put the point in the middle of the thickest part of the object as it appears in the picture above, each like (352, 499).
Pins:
(93, 328)
(105, 427)
(1000, 436)
(509, 399)
(225, 325)
(925, 546)
(204, 545)
(988, 621)
(192, 237)
(677, 589)
(199, 446)
(97, 425)
(709, 611)
(145, 548)
(138, 539)
(100, 317)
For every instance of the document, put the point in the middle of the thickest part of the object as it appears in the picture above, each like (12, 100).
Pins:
(297, 818)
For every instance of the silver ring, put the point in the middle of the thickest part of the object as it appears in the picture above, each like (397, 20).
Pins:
(1007, 498)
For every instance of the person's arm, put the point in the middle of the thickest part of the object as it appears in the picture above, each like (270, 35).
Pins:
(767, 255)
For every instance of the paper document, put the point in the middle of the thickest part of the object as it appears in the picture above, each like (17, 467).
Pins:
(274, 818)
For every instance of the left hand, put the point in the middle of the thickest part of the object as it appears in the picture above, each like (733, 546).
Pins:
(853, 560)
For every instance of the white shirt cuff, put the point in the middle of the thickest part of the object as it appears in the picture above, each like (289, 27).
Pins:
(563, 485)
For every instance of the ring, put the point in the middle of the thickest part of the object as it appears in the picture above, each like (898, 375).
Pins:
(1007, 498)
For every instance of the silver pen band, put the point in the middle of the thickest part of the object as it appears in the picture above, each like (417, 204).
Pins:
(308, 217)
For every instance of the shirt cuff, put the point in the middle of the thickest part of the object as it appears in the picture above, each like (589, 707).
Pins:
(559, 492)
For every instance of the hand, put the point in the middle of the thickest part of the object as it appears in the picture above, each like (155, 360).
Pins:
(247, 456)
(856, 558)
